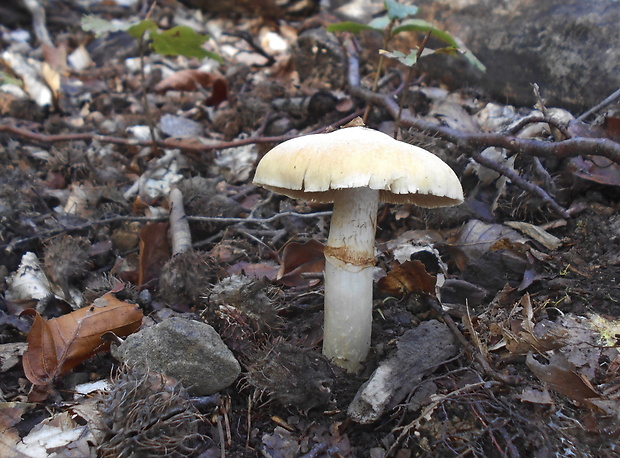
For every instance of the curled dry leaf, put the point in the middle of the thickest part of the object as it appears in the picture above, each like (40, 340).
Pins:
(408, 278)
(561, 377)
(154, 252)
(299, 258)
(597, 169)
(219, 93)
(185, 80)
(58, 345)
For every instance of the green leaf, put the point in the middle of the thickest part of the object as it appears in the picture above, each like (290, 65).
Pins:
(182, 41)
(420, 25)
(380, 23)
(474, 61)
(399, 11)
(349, 26)
(449, 50)
(98, 26)
(408, 60)
(138, 29)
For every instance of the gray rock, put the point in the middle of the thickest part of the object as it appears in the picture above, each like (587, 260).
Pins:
(419, 352)
(180, 127)
(570, 48)
(189, 351)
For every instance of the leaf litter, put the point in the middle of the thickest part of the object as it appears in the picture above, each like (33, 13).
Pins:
(533, 295)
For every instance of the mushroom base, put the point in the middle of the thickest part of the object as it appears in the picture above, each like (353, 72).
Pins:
(348, 314)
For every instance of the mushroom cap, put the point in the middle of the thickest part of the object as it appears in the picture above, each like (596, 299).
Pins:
(314, 167)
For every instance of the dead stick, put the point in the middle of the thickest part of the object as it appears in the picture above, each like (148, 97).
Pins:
(179, 226)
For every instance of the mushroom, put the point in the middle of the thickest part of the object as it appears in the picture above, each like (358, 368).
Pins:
(355, 168)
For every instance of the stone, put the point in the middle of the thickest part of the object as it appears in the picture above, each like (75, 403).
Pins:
(187, 350)
(570, 48)
(419, 352)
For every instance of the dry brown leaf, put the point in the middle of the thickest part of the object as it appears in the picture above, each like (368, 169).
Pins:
(185, 80)
(597, 169)
(524, 336)
(611, 126)
(407, 278)
(219, 93)
(10, 415)
(60, 344)
(299, 258)
(534, 396)
(154, 252)
(561, 377)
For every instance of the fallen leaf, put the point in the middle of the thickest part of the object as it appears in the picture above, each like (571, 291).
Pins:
(535, 396)
(60, 344)
(597, 169)
(154, 252)
(476, 238)
(611, 126)
(219, 93)
(549, 241)
(60, 435)
(185, 80)
(562, 378)
(408, 278)
(299, 258)
(10, 415)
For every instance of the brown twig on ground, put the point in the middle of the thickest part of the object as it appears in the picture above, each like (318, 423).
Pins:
(179, 226)
(210, 219)
(608, 101)
(559, 150)
(535, 118)
(169, 143)
(406, 430)
(469, 348)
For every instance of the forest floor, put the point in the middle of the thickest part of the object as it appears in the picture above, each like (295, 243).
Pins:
(523, 275)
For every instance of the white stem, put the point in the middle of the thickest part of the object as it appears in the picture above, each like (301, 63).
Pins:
(349, 256)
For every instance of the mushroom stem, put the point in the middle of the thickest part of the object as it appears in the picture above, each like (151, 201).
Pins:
(350, 258)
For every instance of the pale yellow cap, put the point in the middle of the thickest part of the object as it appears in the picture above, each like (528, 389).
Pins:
(313, 167)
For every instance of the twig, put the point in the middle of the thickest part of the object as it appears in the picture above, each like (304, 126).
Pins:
(559, 150)
(477, 355)
(116, 219)
(387, 35)
(608, 101)
(215, 219)
(169, 143)
(534, 118)
(429, 410)
(557, 135)
(145, 100)
(516, 179)
(179, 226)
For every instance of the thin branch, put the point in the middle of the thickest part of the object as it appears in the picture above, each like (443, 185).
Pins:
(116, 219)
(213, 219)
(169, 143)
(429, 409)
(571, 147)
(608, 101)
(179, 226)
(516, 179)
